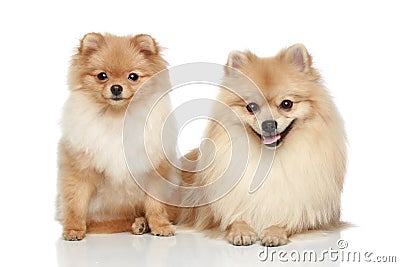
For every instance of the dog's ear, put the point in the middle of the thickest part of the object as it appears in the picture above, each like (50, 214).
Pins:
(91, 42)
(146, 44)
(236, 59)
(298, 56)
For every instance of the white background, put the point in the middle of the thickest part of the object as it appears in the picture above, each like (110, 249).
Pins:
(355, 45)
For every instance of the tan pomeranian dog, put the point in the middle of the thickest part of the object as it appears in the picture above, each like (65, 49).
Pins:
(96, 192)
(294, 114)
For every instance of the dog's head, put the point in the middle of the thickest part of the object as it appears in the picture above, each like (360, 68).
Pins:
(291, 93)
(110, 69)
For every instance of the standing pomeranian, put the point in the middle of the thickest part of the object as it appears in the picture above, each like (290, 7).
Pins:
(293, 114)
(96, 192)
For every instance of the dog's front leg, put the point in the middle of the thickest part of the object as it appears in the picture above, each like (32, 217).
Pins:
(157, 218)
(76, 190)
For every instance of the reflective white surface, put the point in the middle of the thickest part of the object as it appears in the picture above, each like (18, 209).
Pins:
(355, 246)
(184, 249)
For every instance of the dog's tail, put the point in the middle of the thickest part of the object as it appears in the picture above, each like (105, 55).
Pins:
(109, 227)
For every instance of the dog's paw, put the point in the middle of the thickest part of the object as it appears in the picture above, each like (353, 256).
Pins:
(242, 238)
(73, 235)
(140, 226)
(163, 230)
(273, 236)
(241, 234)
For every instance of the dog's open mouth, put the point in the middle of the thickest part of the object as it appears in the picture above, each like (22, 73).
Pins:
(273, 140)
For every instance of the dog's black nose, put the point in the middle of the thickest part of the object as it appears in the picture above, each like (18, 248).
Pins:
(269, 126)
(116, 89)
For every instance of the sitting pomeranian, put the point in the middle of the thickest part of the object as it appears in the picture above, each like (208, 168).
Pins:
(292, 114)
(96, 192)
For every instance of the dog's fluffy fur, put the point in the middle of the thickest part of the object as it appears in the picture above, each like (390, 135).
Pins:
(96, 191)
(303, 189)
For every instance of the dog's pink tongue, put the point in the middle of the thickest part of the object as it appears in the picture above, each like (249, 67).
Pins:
(267, 140)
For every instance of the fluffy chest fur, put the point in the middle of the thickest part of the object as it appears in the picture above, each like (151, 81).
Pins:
(99, 136)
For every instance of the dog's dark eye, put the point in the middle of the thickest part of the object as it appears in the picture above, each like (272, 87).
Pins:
(252, 107)
(133, 76)
(102, 76)
(286, 104)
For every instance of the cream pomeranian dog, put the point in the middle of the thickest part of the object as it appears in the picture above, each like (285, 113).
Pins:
(96, 192)
(302, 190)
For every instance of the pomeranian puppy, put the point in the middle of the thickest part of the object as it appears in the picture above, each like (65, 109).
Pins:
(303, 188)
(96, 192)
